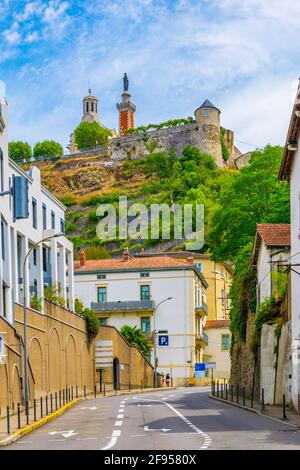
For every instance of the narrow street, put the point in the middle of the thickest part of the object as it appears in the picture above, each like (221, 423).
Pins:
(182, 419)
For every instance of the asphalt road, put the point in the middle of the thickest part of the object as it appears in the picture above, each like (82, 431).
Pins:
(182, 419)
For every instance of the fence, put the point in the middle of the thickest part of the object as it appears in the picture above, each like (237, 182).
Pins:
(41, 407)
(242, 396)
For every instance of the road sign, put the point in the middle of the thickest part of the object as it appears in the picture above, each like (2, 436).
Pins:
(199, 366)
(199, 374)
(162, 332)
(163, 340)
(210, 365)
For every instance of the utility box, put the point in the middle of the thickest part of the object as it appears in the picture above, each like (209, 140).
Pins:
(20, 188)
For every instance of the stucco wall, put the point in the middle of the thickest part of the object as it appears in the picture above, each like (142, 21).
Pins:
(58, 351)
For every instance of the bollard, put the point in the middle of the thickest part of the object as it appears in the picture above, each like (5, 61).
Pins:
(41, 403)
(51, 402)
(72, 393)
(231, 388)
(226, 391)
(237, 393)
(60, 398)
(8, 419)
(129, 385)
(244, 396)
(47, 411)
(67, 395)
(34, 410)
(55, 401)
(284, 415)
(27, 411)
(252, 396)
(141, 385)
(212, 388)
(19, 416)
(84, 391)
(63, 396)
(217, 388)
(95, 391)
(76, 391)
(222, 391)
(116, 391)
(262, 399)
(104, 390)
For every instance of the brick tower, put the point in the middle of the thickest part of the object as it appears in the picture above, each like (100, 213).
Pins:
(126, 109)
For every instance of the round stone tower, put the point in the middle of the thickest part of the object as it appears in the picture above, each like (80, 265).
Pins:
(208, 119)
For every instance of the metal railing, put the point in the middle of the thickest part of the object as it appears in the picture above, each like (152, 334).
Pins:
(123, 305)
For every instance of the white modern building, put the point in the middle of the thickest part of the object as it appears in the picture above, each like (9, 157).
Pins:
(159, 293)
(271, 250)
(29, 215)
(290, 171)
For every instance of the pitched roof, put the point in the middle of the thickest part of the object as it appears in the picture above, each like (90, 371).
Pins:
(217, 324)
(273, 235)
(290, 148)
(207, 104)
(135, 264)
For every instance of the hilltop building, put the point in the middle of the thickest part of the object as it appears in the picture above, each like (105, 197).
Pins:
(204, 132)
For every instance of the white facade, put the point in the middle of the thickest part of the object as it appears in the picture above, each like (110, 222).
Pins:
(266, 261)
(51, 263)
(177, 316)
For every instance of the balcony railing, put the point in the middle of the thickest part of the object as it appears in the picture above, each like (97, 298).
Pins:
(203, 339)
(123, 305)
(202, 309)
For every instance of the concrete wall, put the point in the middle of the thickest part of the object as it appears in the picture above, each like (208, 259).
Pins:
(134, 367)
(59, 354)
(275, 382)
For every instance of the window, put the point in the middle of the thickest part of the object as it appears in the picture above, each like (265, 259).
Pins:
(1, 345)
(44, 209)
(34, 256)
(87, 107)
(44, 259)
(52, 220)
(3, 238)
(223, 296)
(1, 171)
(225, 342)
(101, 276)
(62, 225)
(102, 294)
(145, 324)
(199, 267)
(34, 213)
(145, 292)
(103, 321)
(144, 274)
(92, 106)
(205, 112)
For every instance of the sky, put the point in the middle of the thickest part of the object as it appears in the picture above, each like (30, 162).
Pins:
(243, 55)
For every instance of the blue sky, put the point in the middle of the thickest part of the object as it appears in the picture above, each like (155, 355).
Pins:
(243, 55)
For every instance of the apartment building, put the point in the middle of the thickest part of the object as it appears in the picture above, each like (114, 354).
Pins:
(29, 214)
(158, 294)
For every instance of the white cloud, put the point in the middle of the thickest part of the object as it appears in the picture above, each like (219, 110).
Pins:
(12, 36)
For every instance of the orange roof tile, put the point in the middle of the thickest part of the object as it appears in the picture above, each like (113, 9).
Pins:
(131, 263)
(275, 234)
(217, 324)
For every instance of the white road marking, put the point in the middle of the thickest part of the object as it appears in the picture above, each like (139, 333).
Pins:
(121, 416)
(113, 440)
(146, 428)
(65, 434)
(118, 423)
(89, 408)
(206, 437)
(139, 404)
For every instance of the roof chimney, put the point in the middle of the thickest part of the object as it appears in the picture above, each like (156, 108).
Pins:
(190, 260)
(126, 254)
(82, 258)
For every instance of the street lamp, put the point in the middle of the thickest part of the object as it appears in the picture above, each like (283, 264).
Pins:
(25, 314)
(155, 358)
(224, 281)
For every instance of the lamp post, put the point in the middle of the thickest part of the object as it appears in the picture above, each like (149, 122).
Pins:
(224, 281)
(155, 357)
(25, 311)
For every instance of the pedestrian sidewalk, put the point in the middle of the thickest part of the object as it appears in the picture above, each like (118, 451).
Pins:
(17, 426)
(292, 418)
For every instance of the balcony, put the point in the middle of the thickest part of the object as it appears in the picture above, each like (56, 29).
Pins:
(202, 309)
(201, 340)
(123, 306)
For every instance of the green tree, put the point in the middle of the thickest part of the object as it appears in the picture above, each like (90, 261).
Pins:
(133, 335)
(253, 195)
(47, 148)
(19, 150)
(91, 319)
(91, 134)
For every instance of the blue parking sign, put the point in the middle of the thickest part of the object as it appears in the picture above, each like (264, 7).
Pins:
(163, 340)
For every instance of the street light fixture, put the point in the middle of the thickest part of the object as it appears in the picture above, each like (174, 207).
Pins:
(155, 357)
(35, 245)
